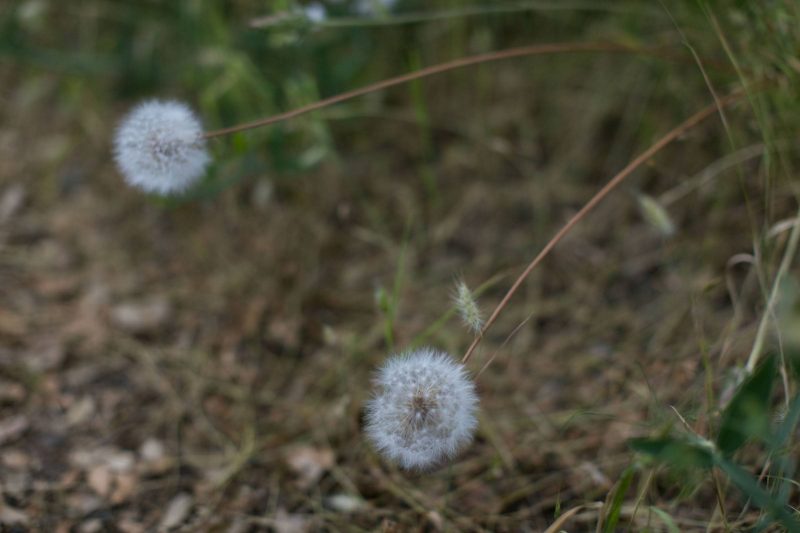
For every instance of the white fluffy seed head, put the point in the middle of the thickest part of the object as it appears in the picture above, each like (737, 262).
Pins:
(159, 147)
(424, 409)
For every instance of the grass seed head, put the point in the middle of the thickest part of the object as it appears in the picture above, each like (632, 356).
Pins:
(467, 307)
(159, 147)
(424, 410)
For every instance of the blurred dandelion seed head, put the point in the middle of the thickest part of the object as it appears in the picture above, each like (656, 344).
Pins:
(424, 410)
(159, 147)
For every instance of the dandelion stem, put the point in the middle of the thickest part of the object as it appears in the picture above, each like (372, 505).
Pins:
(679, 130)
(536, 49)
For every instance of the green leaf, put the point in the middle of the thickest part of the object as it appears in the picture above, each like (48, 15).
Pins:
(783, 468)
(674, 451)
(760, 497)
(788, 312)
(747, 415)
(788, 424)
(667, 519)
(612, 518)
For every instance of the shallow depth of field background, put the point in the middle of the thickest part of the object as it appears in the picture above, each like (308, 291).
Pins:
(202, 363)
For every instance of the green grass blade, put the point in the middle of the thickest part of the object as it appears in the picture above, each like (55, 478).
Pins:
(667, 519)
(747, 415)
(674, 451)
(760, 497)
(612, 517)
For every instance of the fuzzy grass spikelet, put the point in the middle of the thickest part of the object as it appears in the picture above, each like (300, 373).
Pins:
(159, 147)
(467, 307)
(424, 410)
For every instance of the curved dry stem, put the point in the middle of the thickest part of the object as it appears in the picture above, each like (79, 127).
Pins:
(769, 312)
(682, 128)
(537, 49)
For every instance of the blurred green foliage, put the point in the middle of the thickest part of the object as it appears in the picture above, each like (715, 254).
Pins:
(244, 59)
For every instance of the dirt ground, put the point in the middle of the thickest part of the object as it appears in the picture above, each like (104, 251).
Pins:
(204, 365)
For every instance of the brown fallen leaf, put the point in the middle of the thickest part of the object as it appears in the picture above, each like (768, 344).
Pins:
(309, 463)
(45, 354)
(11, 324)
(11, 201)
(129, 524)
(99, 479)
(141, 317)
(177, 511)
(11, 392)
(58, 287)
(113, 458)
(290, 523)
(93, 525)
(12, 517)
(16, 483)
(87, 322)
(435, 520)
(15, 459)
(154, 458)
(12, 428)
(121, 460)
(81, 411)
(124, 486)
(83, 504)
(345, 503)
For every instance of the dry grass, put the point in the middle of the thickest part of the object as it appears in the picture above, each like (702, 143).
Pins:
(208, 362)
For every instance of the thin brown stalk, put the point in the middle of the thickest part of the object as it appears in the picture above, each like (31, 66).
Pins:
(537, 49)
(682, 128)
(498, 350)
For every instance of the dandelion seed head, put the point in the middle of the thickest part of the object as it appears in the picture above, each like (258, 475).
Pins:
(467, 307)
(315, 12)
(424, 410)
(159, 147)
